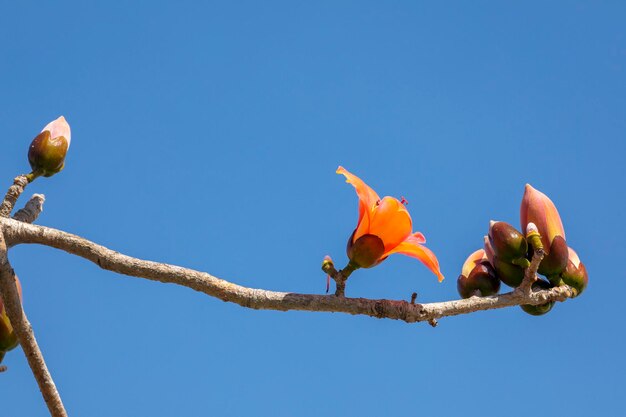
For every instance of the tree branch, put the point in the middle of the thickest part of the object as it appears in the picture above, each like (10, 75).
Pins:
(19, 183)
(18, 233)
(31, 210)
(26, 336)
(530, 274)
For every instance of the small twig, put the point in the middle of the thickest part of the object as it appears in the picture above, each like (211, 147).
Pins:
(26, 336)
(340, 277)
(31, 210)
(19, 183)
(413, 298)
(433, 322)
(530, 275)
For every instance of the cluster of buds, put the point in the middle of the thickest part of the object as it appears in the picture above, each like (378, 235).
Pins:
(8, 338)
(507, 253)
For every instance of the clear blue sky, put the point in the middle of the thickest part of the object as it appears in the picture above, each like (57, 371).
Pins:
(207, 135)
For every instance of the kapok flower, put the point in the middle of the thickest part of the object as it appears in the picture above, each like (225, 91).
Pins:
(47, 151)
(384, 228)
(537, 208)
(8, 338)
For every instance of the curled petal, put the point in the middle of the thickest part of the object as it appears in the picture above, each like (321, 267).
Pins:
(417, 237)
(425, 255)
(367, 200)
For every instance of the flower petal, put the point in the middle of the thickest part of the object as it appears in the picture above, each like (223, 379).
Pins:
(59, 127)
(417, 237)
(425, 255)
(391, 222)
(473, 260)
(367, 201)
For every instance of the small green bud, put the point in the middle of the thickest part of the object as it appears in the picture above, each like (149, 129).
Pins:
(508, 244)
(541, 309)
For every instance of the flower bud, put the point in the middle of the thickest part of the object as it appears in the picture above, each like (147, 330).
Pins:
(8, 338)
(511, 275)
(508, 244)
(541, 309)
(47, 151)
(477, 277)
(366, 251)
(555, 261)
(575, 274)
(537, 208)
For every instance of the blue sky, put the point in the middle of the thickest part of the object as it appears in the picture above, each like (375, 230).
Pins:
(207, 135)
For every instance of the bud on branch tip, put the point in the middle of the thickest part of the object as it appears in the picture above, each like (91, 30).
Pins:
(47, 151)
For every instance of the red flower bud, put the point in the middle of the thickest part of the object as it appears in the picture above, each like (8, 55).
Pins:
(508, 244)
(477, 277)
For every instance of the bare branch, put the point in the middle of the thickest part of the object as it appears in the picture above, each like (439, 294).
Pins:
(31, 210)
(19, 183)
(17, 233)
(26, 336)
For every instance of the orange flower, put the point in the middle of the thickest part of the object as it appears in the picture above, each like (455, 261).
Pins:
(384, 228)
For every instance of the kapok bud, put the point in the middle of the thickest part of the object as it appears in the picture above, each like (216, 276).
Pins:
(8, 338)
(366, 251)
(47, 151)
(533, 237)
(477, 277)
(507, 243)
(474, 259)
(556, 260)
(511, 275)
(327, 263)
(540, 309)
(575, 273)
